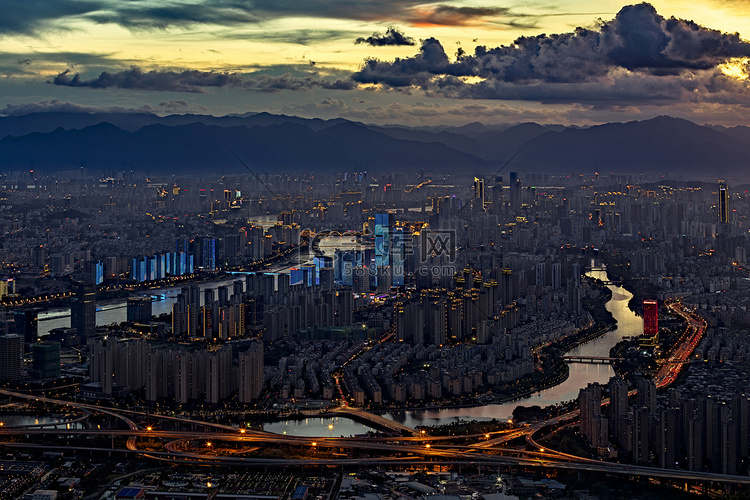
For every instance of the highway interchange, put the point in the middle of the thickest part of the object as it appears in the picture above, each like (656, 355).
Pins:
(186, 440)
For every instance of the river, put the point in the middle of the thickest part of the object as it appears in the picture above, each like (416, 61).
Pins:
(581, 374)
(116, 311)
(318, 427)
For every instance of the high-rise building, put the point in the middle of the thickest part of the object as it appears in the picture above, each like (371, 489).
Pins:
(208, 247)
(618, 407)
(139, 310)
(650, 318)
(38, 256)
(26, 325)
(479, 193)
(46, 359)
(382, 240)
(11, 358)
(251, 373)
(641, 435)
(326, 278)
(646, 394)
(360, 280)
(399, 257)
(83, 309)
(723, 202)
(590, 406)
(94, 272)
(384, 279)
(515, 191)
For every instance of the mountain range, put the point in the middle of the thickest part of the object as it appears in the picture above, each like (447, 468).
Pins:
(189, 144)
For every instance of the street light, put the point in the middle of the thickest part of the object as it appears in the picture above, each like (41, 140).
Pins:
(330, 430)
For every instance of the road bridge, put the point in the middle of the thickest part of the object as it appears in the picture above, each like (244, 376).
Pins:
(596, 360)
(377, 420)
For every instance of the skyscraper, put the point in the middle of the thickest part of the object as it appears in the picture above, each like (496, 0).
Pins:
(46, 359)
(618, 407)
(382, 240)
(650, 318)
(723, 202)
(26, 325)
(479, 193)
(515, 191)
(208, 247)
(590, 404)
(251, 373)
(139, 310)
(11, 358)
(399, 257)
(83, 309)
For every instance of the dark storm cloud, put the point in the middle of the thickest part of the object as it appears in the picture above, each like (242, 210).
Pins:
(139, 15)
(391, 37)
(28, 17)
(198, 81)
(651, 53)
(135, 78)
(32, 16)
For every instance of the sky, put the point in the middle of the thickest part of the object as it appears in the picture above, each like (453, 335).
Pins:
(409, 62)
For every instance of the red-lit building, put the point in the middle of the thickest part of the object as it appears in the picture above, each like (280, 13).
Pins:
(650, 318)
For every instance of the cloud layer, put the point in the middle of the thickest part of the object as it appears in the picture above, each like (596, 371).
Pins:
(638, 55)
(60, 106)
(639, 58)
(31, 17)
(199, 81)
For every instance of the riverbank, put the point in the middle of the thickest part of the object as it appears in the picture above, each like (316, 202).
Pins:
(554, 369)
(595, 343)
(114, 290)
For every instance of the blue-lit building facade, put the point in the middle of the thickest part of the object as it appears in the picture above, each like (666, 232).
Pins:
(160, 266)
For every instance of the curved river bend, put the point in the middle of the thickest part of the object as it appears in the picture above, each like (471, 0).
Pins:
(581, 374)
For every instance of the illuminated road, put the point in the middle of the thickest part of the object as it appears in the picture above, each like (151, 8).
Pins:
(234, 446)
(681, 352)
(376, 419)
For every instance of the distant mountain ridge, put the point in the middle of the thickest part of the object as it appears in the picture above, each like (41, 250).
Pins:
(200, 148)
(183, 144)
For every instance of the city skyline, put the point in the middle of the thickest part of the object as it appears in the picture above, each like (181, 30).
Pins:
(461, 321)
(374, 250)
(396, 62)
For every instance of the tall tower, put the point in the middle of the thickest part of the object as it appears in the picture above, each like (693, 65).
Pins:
(479, 193)
(650, 318)
(723, 202)
(515, 191)
(382, 239)
(11, 358)
(251, 373)
(83, 309)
